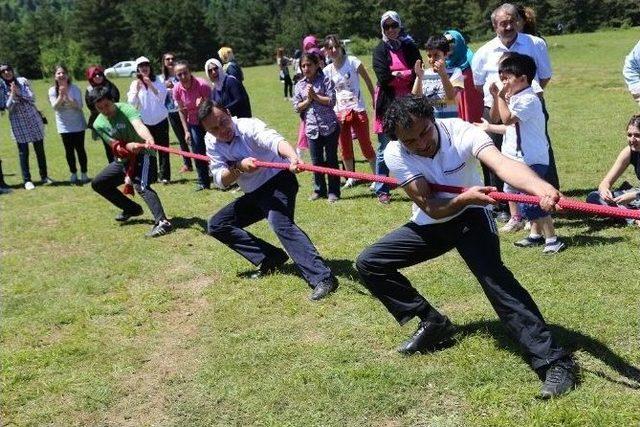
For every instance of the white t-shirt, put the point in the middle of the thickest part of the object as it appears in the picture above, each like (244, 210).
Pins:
(433, 90)
(454, 163)
(347, 83)
(526, 140)
(151, 106)
(485, 62)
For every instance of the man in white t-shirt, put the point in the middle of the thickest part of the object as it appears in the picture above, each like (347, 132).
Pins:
(446, 152)
(507, 24)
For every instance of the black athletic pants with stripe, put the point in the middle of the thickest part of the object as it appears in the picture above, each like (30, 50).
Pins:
(107, 181)
(473, 233)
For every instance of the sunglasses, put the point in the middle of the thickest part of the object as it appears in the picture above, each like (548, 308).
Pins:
(393, 25)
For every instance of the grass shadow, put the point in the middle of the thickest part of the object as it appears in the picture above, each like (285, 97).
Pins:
(572, 341)
(198, 223)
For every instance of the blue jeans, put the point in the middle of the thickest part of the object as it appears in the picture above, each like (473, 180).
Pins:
(23, 153)
(381, 166)
(324, 152)
(197, 146)
(274, 201)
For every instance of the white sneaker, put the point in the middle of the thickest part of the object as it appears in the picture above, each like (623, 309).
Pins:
(553, 248)
(350, 182)
(512, 225)
(29, 185)
(73, 178)
(372, 187)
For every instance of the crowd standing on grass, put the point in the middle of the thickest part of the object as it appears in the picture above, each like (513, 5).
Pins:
(435, 120)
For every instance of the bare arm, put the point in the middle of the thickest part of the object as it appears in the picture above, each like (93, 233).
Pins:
(506, 116)
(143, 131)
(418, 190)
(417, 83)
(367, 80)
(622, 162)
(520, 176)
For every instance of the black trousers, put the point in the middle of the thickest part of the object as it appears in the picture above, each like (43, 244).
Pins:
(179, 130)
(274, 201)
(107, 181)
(74, 144)
(474, 234)
(288, 86)
(160, 133)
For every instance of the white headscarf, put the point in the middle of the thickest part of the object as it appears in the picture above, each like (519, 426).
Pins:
(217, 84)
(393, 15)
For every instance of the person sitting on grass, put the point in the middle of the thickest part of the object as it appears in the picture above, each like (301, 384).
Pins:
(625, 196)
(120, 125)
(447, 151)
(525, 141)
(233, 144)
(439, 84)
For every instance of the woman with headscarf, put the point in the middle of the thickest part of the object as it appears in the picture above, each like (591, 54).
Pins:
(97, 79)
(469, 100)
(393, 62)
(26, 123)
(227, 90)
(231, 66)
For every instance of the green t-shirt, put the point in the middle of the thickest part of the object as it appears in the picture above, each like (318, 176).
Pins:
(119, 127)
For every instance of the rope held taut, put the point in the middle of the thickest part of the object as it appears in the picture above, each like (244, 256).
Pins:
(564, 203)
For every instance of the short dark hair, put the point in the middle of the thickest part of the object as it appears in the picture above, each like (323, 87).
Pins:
(635, 121)
(206, 107)
(402, 112)
(182, 62)
(98, 94)
(438, 42)
(519, 65)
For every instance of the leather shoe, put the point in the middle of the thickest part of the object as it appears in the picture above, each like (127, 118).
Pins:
(324, 288)
(428, 336)
(270, 265)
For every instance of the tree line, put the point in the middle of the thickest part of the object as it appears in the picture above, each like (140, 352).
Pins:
(37, 34)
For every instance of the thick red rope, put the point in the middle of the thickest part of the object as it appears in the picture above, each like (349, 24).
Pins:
(565, 203)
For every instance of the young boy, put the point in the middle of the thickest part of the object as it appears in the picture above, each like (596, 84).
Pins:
(525, 140)
(438, 83)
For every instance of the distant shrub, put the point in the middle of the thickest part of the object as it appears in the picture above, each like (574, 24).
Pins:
(67, 52)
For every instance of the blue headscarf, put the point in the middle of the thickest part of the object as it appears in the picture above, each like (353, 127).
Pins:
(461, 54)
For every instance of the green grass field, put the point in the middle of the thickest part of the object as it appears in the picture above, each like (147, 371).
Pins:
(101, 326)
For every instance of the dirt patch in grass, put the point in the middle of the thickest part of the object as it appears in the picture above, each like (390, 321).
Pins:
(147, 394)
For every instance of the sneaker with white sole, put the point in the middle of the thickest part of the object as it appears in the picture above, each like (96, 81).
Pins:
(350, 182)
(372, 187)
(512, 225)
(47, 181)
(529, 242)
(160, 229)
(29, 185)
(553, 248)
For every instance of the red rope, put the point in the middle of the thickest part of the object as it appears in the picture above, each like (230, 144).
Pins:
(564, 203)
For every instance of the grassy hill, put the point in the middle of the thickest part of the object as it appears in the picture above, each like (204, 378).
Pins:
(101, 326)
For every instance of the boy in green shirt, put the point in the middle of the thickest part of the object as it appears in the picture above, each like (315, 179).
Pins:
(120, 125)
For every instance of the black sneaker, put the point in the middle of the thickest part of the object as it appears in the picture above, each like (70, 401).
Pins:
(561, 378)
(324, 288)
(124, 215)
(428, 336)
(529, 242)
(160, 229)
(270, 265)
